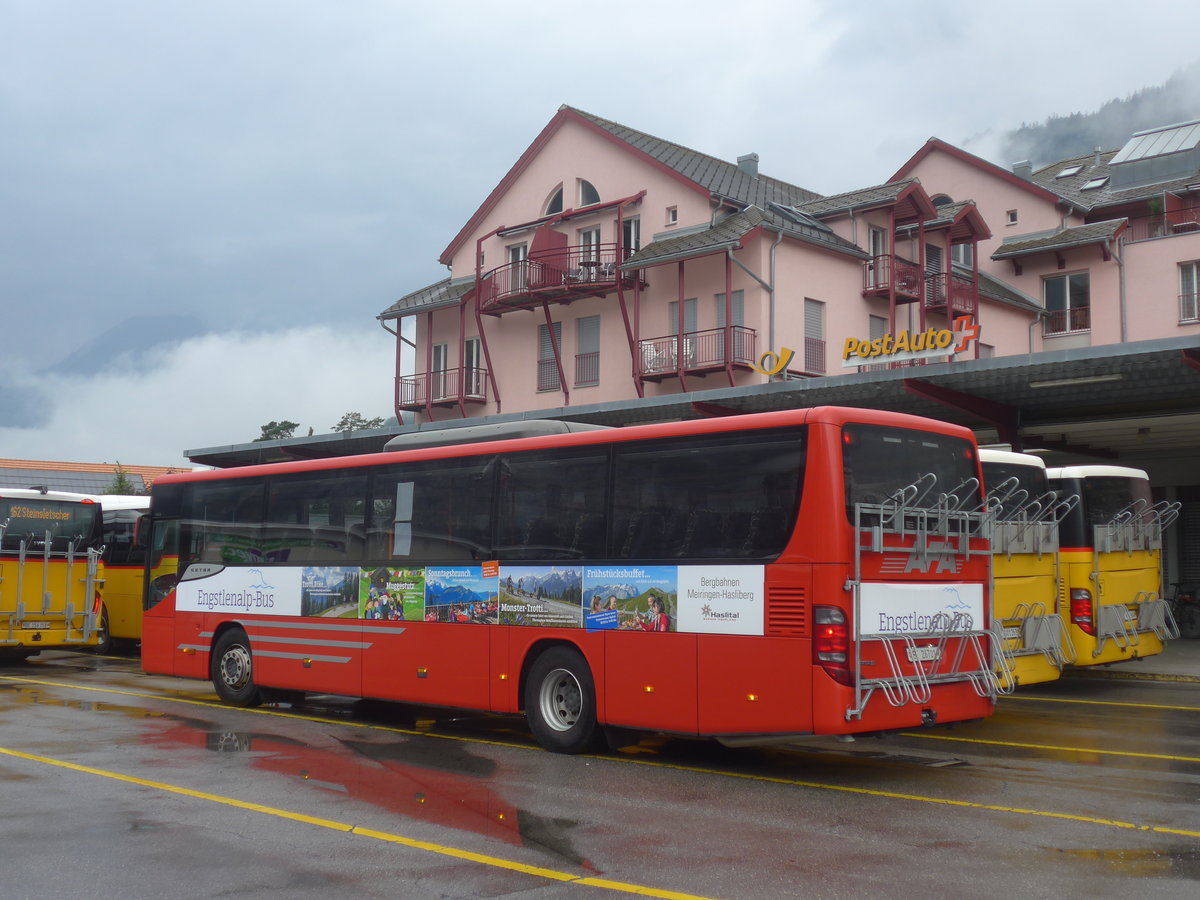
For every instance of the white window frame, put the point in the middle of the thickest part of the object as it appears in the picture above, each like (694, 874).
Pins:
(1189, 292)
(1070, 306)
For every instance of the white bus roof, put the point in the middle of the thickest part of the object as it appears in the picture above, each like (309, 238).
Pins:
(1096, 472)
(38, 494)
(988, 455)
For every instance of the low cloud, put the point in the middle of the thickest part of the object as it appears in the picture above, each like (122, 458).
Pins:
(210, 391)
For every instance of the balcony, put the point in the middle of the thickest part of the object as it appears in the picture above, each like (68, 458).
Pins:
(696, 352)
(442, 388)
(559, 276)
(884, 272)
(952, 294)
(1067, 321)
(1185, 220)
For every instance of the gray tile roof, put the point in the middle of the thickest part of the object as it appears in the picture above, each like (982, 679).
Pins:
(992, 288)
(1070, 187)
(717, 176)
(442, 293)
(730, 231)
(1062, 239)
(880, 194)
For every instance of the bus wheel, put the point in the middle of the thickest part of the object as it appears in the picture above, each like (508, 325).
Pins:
(104, 641)
(560, 701)
(232, 673)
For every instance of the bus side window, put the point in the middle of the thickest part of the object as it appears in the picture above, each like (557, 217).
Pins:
(222, 522)
(311, 518)
(716, 496)
(438, 511)
(551, 505)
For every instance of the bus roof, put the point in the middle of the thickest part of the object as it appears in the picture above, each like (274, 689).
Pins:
(834, 415)
(988, 455)
(1096, 472)
(39, 494)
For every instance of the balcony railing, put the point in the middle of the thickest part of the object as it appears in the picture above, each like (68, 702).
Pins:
(441, 388)
(1166, 224)
(1189, 308)
(563, 274)
(587, 368)
(697, 351)
(883, 272)
(956, 295)
(1067, 321)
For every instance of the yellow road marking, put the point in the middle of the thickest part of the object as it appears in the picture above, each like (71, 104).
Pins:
(440, 849)
(814, 785)
(1107, 703)
(1056, 749)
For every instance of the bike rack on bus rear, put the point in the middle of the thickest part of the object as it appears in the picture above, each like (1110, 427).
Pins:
(943, 529)
(1018, 523)
(1138, 527)
(86, 612)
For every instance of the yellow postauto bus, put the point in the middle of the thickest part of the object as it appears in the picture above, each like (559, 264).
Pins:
(50, 571)
(1024, 512)
(1111, 558)
(124, 571)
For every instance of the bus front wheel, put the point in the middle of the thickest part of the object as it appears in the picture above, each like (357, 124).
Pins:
(560, 701)
(232, 670)
(104, 641)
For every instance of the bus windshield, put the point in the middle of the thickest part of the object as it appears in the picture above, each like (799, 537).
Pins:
(879, 463)
(30, 519)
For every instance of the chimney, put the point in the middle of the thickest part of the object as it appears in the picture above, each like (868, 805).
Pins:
(1096, 160)
(749, 164)
(1023, 169)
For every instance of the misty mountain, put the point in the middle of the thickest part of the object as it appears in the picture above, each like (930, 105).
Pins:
(438, 594)
(126, 344)
(1109, 127)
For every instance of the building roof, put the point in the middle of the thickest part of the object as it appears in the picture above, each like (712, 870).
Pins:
(80, 478)
(718, 177)
(703, 173)
(1060, 239)
(447, 292)
(730, 231)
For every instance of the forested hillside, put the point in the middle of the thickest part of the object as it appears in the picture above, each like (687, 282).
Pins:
(1060, 137)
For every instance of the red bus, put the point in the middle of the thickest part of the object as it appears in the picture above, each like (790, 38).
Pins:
(747, 578)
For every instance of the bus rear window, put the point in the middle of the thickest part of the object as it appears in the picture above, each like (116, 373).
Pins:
(880, 463)
(30, 520)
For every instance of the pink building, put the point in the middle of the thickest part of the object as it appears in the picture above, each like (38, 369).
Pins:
(612, 276)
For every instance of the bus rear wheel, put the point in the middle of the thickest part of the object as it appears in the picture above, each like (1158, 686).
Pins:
(560, 701)
(232, 670)
(104, 641)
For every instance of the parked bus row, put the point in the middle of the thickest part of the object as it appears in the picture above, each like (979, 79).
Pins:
(71, 573)
(822, 571)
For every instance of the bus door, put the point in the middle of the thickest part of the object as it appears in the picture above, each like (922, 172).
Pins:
(1127, 573)
(921, 615)
(49, 572)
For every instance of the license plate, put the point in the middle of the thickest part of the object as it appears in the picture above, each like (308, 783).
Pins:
(35, 626)
(924, 654)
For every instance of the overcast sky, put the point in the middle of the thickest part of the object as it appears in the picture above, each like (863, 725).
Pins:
(273, 174)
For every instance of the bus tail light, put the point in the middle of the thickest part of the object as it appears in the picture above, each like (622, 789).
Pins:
(831, 643)
(1081, 610)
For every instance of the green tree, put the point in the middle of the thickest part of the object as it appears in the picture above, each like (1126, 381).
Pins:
(121, 483)
(278, 431)
(353, 421)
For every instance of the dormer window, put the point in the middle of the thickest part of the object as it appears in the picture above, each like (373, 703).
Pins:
(556, 202)
(587, 193)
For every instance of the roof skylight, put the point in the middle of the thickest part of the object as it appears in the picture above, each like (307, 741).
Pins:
(1069, 171)
(1095, 183)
